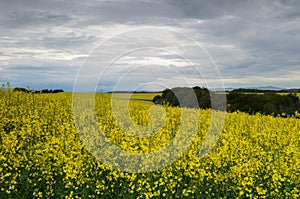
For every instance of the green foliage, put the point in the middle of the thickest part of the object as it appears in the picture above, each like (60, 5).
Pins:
(27, 90)
(51, 91)
(21, 90)
(157, 99)
(268, 103)
(185, 97)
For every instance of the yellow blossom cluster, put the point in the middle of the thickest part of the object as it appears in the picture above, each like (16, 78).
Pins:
(44, 155)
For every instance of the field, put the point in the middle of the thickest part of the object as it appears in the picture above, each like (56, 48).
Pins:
(44, 155)
(144, 97)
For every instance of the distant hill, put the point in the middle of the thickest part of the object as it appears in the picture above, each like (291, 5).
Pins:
(261, 88)
(292, 90)
(268, 88)
(265, 89)
(227, 89)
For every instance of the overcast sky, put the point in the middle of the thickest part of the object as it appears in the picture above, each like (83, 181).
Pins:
(250, 43)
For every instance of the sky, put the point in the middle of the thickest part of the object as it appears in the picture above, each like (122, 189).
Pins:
(149, 45)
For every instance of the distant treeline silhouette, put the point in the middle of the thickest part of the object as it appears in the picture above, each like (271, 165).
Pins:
(266, 103)
(36, 91)
(237, 100)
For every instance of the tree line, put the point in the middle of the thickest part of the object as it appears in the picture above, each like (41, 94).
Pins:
(266, 103)
(184, 97)
(254, 102)
(38, 91)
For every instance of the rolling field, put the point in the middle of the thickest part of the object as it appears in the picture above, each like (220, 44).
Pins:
(144, 97)
(44, 155)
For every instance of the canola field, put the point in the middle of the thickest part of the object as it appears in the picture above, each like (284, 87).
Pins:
(42, 155)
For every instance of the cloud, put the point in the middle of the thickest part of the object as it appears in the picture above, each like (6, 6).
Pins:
(44, 43)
